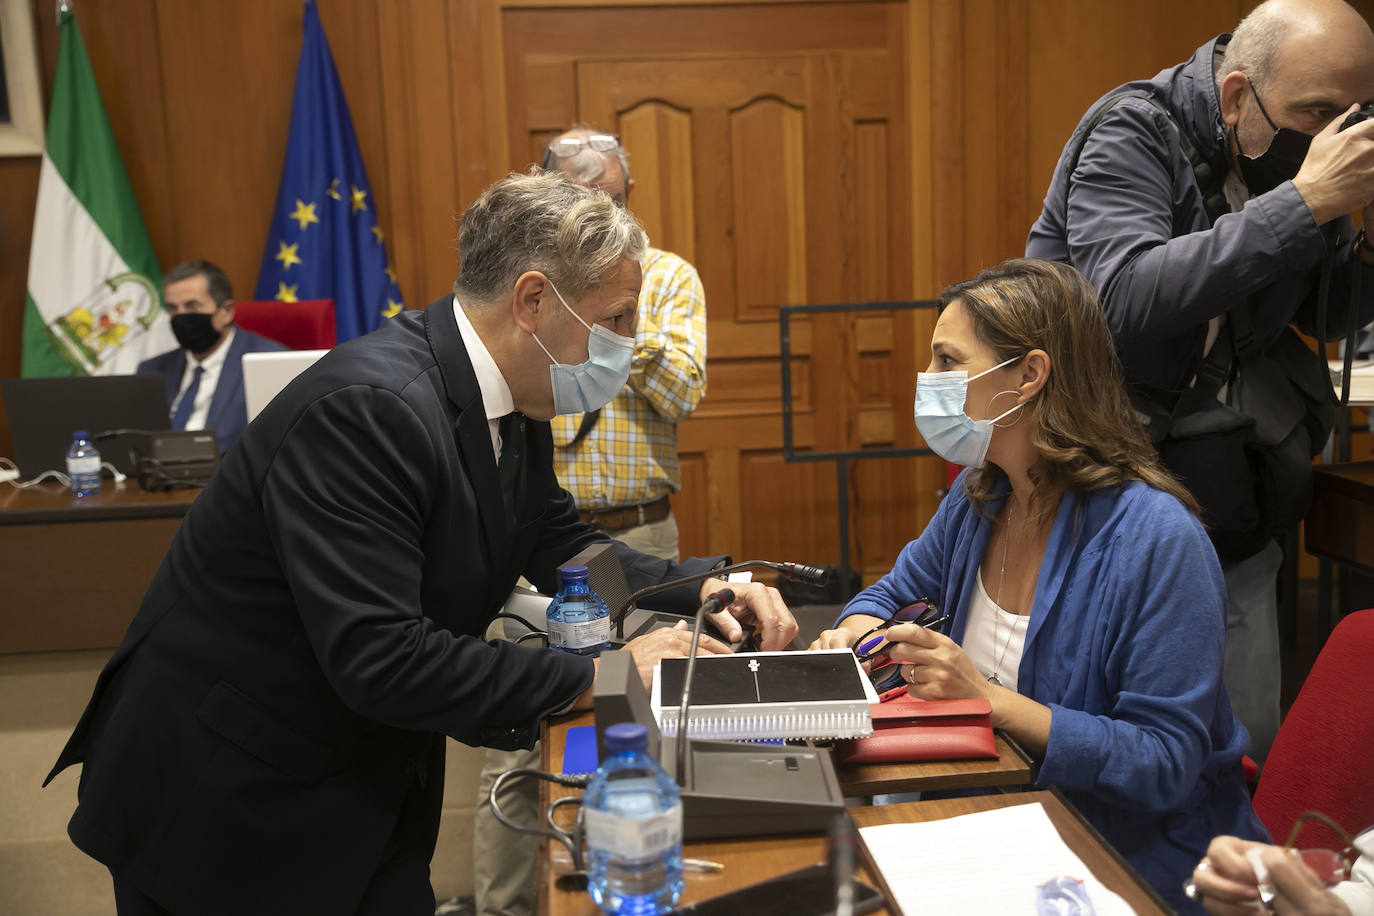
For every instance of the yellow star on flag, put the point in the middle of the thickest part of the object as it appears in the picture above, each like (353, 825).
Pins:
(392, 308)
(391, 275)
(304, 214)
(287, 255)
(286, 293)
(333, 190)
(359, 200)
(377, 231)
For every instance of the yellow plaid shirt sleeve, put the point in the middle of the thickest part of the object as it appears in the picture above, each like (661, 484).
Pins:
(630, 456)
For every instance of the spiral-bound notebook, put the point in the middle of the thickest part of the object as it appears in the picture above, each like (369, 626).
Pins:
(756, 696)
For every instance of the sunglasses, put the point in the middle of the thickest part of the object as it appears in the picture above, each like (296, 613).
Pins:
(566, 147)
(923, 613)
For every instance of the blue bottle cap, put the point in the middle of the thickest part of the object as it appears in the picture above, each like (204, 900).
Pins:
(81, 434)
(626, 736)
(573, 573)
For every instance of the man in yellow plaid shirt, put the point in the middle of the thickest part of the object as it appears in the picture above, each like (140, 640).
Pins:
(619, 463)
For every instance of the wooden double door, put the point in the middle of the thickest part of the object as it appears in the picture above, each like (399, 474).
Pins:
(769, 145)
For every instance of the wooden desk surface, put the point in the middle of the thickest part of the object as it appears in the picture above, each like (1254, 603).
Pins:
(50, 503)
(1106, 865)
(753, 860)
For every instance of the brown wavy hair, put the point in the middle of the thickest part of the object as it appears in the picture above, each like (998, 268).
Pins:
(1082, 422)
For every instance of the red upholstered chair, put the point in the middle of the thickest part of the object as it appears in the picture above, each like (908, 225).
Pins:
(304, 325)
(1322, 757)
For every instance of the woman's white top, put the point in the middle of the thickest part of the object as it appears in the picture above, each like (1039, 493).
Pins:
(993, 635)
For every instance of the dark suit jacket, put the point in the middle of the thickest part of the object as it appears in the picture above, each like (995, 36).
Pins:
(228, 415)
(271, 721)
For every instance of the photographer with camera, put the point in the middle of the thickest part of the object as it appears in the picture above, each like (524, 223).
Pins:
(1210, 207)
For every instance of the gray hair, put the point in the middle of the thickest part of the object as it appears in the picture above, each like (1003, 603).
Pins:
(216, 280)
(542, 221)
(588, 164)
(1254, 46)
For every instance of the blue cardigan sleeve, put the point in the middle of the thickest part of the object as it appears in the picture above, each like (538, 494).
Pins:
(921, 568)
(1158, 614)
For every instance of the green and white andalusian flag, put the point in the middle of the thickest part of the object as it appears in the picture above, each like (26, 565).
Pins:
(93, 305)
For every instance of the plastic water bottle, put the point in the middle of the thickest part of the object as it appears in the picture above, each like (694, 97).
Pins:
(578, 620)
(83, 465)
(633, 816)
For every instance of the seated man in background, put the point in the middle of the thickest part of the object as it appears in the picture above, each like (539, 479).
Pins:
(1086, 604)
(269, 737)
(205, 376)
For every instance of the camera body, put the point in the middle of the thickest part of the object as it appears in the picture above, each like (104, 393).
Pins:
(1355, 117)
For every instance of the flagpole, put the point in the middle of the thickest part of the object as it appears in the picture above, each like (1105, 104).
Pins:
(63, 6)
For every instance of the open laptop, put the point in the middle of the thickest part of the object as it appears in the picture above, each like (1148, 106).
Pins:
(265, 374)
(44, 412)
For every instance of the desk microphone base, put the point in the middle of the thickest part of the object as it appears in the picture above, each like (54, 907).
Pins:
(751, 790)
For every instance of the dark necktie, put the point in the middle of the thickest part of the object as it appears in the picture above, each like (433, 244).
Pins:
(187, 402)
(512, 427)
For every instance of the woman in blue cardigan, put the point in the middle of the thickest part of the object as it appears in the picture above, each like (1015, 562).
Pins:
(1086, 601)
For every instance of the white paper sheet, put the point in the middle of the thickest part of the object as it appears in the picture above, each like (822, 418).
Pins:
(988, 862)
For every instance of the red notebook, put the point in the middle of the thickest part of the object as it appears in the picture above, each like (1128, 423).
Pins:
(908, 729)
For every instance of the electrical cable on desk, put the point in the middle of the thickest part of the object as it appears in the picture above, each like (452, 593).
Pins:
(9, 473)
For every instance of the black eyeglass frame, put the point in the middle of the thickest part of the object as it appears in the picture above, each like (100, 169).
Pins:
(923, 612)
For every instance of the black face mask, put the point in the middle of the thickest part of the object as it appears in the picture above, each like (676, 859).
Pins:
(195, 331)
(1280, 162)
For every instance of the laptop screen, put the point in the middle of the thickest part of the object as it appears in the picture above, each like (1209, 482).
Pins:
(265, 374)
(44, 412)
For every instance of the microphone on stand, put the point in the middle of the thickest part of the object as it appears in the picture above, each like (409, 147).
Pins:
(723, 598)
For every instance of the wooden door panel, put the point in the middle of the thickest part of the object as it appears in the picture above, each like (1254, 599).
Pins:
(769, 147)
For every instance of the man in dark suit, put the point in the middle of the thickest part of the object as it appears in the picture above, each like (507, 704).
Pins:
(269, 736)
(206, 390)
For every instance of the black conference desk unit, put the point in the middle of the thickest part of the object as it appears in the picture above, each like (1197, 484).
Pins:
(74, 572)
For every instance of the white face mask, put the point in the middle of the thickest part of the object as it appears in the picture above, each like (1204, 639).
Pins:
(590, 385)
(940, 418)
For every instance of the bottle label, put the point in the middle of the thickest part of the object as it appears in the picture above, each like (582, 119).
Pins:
(90, 465)
(631, 837)
(583, 635)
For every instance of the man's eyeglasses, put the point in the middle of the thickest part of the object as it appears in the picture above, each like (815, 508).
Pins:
(923, 613)
(565, 147)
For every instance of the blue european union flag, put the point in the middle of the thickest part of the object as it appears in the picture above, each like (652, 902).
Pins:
(324, 242)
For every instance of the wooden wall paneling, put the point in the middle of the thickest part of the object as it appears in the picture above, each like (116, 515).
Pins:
(713, 193)
(1080, 49)
(790, 509)
(227, 125)
(689, 506)
(477, 74)
(18, 194)
(664, 196)
(725, 507)
(422, 168)
(768, 159)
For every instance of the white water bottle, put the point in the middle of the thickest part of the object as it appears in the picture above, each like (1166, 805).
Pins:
(83, 465)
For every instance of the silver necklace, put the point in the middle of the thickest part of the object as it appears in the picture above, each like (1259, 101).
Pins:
(997, 608)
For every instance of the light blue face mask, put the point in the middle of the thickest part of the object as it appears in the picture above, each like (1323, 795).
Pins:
(940, 418)
(590, 385)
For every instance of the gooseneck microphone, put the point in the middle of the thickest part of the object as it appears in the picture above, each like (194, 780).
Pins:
(723, 598)
(795, 572)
